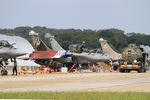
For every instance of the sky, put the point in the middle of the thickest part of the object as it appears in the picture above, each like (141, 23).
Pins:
(127, 15)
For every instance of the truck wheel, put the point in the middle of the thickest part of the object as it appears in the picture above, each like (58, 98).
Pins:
(144, 70)
(141, 70)
(115, 67)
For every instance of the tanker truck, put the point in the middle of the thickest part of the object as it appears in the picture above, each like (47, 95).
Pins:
(133, 58)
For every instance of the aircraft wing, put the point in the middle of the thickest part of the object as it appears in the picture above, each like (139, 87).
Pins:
(89, 57)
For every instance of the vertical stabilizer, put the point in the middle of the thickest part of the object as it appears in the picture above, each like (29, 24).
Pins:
(37, 43)
(108, 50)
(55, 45)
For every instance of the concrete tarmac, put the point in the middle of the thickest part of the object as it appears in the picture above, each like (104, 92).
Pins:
(115, 81)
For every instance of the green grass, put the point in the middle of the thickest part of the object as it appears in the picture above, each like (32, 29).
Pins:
(77, 95)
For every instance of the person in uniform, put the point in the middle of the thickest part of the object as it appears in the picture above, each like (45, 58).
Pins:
(111, 65)
(82, 47)
(15, 67)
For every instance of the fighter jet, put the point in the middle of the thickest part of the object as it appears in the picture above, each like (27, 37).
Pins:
(81, 57)
(8, 50)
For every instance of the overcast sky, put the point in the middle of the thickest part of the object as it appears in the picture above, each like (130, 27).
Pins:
(128, 15)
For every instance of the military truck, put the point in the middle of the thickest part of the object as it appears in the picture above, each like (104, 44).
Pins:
(133, 58)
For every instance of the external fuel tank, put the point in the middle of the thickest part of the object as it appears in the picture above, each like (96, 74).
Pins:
(131, 53)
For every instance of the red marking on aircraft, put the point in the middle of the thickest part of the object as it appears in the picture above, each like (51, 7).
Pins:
(43, 54)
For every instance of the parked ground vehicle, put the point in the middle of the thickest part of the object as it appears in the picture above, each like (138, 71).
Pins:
(133, 58)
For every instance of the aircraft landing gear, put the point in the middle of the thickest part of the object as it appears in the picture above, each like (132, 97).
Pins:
(4, 71)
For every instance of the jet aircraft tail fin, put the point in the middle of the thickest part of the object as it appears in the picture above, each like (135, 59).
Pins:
(108, 50)
(37, 42)
(55, 45)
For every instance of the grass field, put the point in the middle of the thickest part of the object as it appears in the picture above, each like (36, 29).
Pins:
(76, 95)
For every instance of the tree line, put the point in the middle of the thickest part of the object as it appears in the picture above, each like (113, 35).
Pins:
(115, 37)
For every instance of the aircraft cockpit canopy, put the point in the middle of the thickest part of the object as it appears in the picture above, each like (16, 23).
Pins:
(4, 43)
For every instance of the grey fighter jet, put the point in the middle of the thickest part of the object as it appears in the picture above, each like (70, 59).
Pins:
(8, 51)
(81, 57)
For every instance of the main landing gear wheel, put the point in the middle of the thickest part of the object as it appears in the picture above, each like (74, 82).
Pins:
(4, 72)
